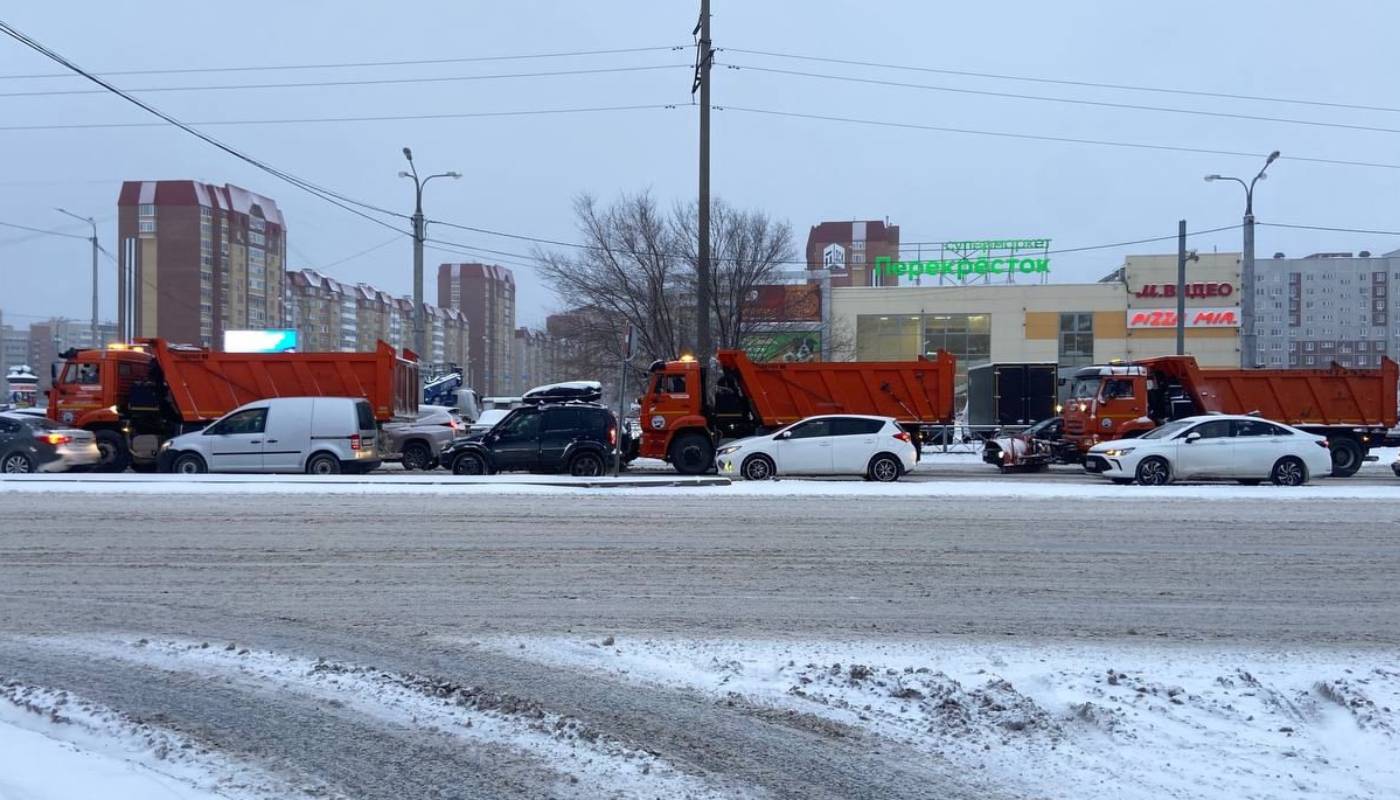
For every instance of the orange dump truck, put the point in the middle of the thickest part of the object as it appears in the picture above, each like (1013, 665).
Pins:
(686, 411)
(134, 397)
(1353, 408)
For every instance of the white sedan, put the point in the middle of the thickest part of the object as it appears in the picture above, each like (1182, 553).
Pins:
(1217, 447)
(873, 447)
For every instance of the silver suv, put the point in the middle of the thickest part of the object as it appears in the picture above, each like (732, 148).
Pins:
(419, 444)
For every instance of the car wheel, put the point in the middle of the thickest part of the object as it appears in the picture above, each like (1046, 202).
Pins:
(1154, 471)
(1289, 471)
(586, 465)
(692, 454)
(1347, 456)
(17, 464)
(416, 455)
(323, 464)
(189, 464)
(758, 468)
(884, 468)
(115, 457)
(469, 464)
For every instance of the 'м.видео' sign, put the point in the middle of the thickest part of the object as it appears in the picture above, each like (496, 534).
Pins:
(1228, 317)
(1196, 290)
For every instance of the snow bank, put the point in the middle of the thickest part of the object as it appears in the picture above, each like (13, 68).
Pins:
(590, 764)
(57, 746)
(1063, 721)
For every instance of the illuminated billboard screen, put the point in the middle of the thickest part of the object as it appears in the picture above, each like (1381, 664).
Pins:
(270, 340)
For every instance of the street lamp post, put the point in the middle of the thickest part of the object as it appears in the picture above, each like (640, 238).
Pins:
(1248, 354)
(420, 227)
(96, 340)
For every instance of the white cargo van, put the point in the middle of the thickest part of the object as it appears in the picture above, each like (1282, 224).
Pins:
(316, 435)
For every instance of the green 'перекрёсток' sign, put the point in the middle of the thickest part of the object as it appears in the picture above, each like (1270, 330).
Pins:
(962, 267)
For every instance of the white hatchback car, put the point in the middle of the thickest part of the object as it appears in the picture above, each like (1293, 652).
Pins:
(874, 447)
(1246, 449)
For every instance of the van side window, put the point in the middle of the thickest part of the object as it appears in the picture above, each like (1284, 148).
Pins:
(254, 420)
(365, 415)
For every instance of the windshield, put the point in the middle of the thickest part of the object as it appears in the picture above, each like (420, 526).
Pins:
(1085, 388)
(1169, 430)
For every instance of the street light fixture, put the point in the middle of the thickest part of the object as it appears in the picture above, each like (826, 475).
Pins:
(419, 234)
(96, 339)
(1248, 354)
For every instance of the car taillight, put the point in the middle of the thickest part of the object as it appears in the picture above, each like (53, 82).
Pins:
(53, 438)
(902, 436)
(612, 434)
(355, 442)
(1324, 444)
(452, 423)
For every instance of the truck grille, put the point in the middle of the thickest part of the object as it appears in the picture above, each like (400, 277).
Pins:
(1074, 426)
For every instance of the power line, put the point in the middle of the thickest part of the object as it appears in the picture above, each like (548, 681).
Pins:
(362, 82)
(314, 120)
(354, 64)
(364, 252)
(1066, 100)
(1064, 82)
(43, 231)
(1325, 228)
(1060, 139)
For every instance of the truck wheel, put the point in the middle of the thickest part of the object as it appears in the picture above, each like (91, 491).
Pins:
(469, 464)
(884, 468)
(758, 468)
(417, 455)
(115, 455)
(692, 454)
(17, 464)
(1347, 456)
(1154, 471)
(586, 465)
(323, 464)
(1289, 471)
(189, 464)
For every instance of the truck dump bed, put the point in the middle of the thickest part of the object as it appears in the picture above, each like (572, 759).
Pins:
(1332, 396)
(206, 385)
(910, 391)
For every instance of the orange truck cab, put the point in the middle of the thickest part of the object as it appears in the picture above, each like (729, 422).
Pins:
(134, 397)
(1354, 408)
(688, 409)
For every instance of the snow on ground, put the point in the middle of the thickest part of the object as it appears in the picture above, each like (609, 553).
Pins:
(591, 765)
(1062, 721)
(57, 746)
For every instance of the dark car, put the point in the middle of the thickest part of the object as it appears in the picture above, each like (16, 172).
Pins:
(577, 438)
(27, 448)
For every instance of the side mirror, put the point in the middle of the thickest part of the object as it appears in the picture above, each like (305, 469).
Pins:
(785, 435)
(1192, 436)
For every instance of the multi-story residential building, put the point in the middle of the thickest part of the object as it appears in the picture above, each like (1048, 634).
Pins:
(485, 294)
(849, 250)
(1326, 308)
(314, 304)
(197, 259)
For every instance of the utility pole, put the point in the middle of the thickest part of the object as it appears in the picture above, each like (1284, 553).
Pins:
(1182, 256)
(703, 56)
(420, 228)
(96, 340)
(1248, 338)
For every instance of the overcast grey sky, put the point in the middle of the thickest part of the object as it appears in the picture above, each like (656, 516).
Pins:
(522, 172)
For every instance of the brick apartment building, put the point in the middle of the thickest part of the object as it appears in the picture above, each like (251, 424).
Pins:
(849, 250)
(485, 294)
(197, 259)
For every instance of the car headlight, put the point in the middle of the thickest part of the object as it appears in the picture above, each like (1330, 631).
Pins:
(1122, 451)
(724, 451)
(165, 445)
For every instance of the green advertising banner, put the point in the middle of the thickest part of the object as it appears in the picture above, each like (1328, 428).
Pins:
(784, 346)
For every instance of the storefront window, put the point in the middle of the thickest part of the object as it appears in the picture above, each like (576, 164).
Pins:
(1076, 339)
(893, 337)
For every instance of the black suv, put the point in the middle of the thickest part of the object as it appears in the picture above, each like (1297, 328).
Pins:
(577, 438)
